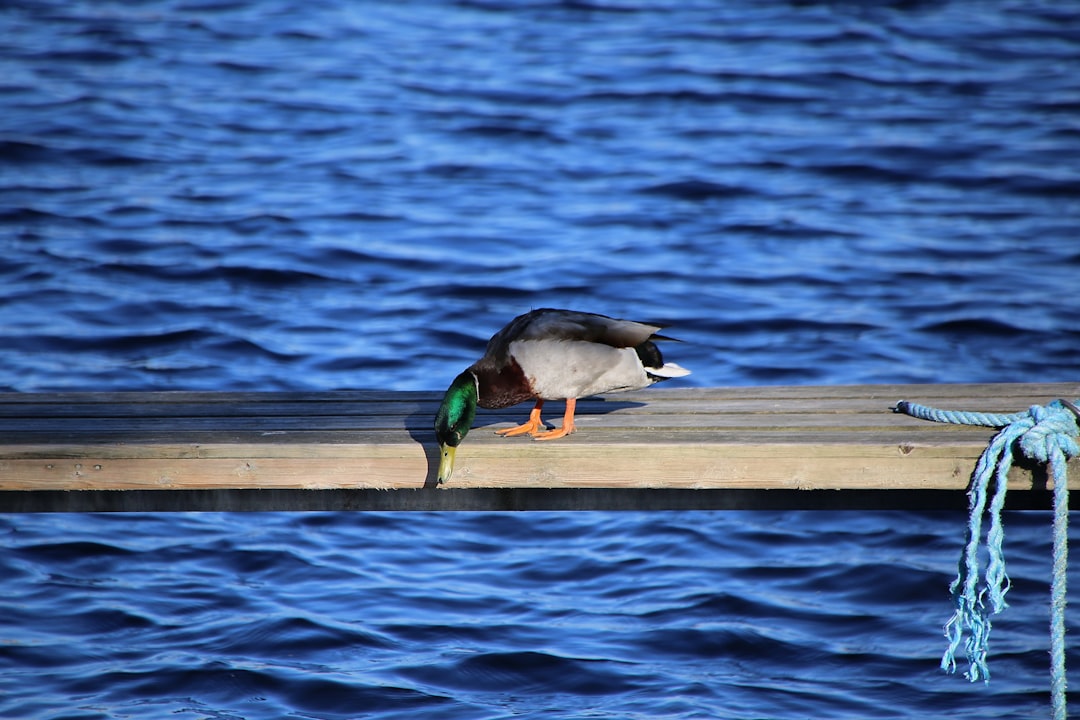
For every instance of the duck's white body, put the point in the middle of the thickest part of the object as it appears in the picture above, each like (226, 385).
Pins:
(560, 369)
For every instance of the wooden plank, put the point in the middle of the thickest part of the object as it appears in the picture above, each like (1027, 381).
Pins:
(607, 428)
(739, 441)
(653, 465)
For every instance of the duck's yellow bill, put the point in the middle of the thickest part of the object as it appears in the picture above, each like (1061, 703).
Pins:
(446, 462)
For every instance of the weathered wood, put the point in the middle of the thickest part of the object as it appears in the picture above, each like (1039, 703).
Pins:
(721, 445)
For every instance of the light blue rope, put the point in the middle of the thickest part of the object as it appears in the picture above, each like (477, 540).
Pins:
(1047, 435)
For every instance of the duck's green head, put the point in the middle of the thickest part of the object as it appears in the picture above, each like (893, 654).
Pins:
(454, 419)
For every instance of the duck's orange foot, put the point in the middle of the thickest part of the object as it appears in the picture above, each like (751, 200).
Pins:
(554, 434)
(532, 426)
(567, 424)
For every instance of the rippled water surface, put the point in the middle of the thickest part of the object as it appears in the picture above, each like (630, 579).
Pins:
(269, 194)
(632, 615)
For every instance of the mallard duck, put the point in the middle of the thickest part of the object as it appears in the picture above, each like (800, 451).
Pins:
(549, 354)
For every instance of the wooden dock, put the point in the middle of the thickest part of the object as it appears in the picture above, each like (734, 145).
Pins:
(834, 447)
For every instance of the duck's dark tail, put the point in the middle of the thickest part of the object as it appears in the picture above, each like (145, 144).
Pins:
(653, 362)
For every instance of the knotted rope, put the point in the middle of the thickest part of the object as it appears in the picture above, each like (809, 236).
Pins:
(1047, 435)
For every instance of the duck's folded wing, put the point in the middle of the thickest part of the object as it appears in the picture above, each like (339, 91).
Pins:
(586, 327)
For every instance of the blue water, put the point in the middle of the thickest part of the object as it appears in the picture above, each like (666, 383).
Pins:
(285, 195)
(574, 615)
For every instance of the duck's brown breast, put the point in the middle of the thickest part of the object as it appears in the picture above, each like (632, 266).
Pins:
(502, 387)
